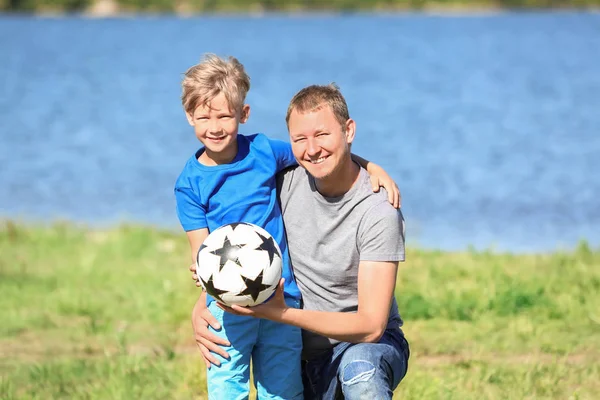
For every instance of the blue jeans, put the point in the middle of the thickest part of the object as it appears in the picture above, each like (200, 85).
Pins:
(358, 370)
(275, 352)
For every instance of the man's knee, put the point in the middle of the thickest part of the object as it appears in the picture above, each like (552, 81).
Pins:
(360, 379)
(370, 370)
(361, 371)
(362, 357)
(357, 371)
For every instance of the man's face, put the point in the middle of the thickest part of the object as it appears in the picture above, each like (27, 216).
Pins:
(320, 144)
(216, 126)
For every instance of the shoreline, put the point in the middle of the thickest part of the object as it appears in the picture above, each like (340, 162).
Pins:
(10, 225)
(110, 9)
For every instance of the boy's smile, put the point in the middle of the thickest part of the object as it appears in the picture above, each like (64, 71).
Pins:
(216, 126)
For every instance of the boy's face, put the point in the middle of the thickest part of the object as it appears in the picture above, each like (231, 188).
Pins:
(320, 144)
(216, 126)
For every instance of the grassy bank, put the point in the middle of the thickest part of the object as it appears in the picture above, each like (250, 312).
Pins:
(105, 315)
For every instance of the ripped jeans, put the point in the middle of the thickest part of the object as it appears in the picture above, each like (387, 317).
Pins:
(354, 371)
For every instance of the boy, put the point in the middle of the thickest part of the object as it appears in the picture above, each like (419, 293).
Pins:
(232, 179)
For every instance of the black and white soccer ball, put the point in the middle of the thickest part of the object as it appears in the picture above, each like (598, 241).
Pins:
(239, 264)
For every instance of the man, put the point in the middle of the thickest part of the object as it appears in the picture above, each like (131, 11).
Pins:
(345, 243)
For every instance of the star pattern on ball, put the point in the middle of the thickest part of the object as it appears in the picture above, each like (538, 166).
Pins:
(269, 246)
(228, 252)
(212, 290)
(254, 286)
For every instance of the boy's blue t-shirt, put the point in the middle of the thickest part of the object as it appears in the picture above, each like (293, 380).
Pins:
(241, 191)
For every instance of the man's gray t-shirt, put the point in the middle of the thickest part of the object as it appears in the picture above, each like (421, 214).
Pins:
(327, 239)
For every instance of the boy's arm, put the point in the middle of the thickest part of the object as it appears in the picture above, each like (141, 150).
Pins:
(207, 341)
(283, 154)
(380, 178)
(196, 237)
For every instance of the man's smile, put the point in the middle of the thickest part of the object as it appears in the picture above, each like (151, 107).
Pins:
(318, 160)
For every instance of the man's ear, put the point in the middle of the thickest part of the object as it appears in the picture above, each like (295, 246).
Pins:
(245, 113)
(190, 118)
(350, 130)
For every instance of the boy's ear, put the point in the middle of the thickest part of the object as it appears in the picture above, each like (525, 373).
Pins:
(190, 118)
(245, 113)
(350, 130)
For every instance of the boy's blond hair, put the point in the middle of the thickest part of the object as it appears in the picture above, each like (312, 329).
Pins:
(212, 76)
(315, 97)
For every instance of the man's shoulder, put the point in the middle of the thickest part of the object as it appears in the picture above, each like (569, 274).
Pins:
(366, 191)
(290, 174)
(380, 224)
(287, 180)
(376, 204)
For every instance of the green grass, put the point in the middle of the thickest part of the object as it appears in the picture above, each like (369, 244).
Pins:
(104, 314)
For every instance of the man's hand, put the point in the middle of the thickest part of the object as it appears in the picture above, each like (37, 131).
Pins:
(272, 309)
(194, 275)
(207, 341)
(380, 178)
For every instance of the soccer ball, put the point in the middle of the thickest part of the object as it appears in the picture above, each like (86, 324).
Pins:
(239, 264)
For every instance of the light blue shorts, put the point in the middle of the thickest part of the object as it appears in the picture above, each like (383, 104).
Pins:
(275, 352)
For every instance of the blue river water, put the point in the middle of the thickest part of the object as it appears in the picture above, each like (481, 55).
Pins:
(489, 123)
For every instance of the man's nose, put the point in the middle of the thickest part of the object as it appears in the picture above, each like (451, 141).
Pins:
(312, 148)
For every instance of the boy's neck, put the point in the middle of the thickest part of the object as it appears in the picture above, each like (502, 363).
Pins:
(211, 158)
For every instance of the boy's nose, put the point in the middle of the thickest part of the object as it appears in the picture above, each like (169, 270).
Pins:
(214, 126)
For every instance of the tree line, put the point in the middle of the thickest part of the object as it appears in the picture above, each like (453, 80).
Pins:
(201, 6)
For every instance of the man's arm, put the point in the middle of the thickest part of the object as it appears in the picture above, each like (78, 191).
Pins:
(376, 283)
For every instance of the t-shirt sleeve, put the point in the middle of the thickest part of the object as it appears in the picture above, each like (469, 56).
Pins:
(284, 182)
(191, 213)
(382, 234)
(283, 154)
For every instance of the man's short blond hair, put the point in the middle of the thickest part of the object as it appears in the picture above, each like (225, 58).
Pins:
(212, 76)
(315, 97)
